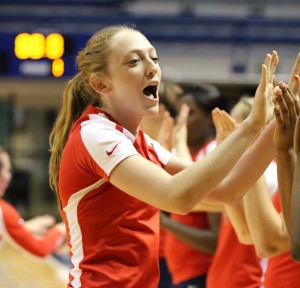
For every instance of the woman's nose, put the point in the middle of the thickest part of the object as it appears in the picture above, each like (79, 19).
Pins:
(152, 68)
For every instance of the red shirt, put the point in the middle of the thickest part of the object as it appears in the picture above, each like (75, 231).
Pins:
(12, 230)
(113, 237)
(184, 261)
(235, 265)
(282, 271)
(162, 242)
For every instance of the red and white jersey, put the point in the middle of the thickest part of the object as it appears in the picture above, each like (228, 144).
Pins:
(207, 148)
(12, 230)
(113, 237)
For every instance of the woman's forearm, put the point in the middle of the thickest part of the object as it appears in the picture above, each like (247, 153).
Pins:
(285, 172)
(247, 170)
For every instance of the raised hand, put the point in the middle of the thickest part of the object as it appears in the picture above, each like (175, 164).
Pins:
(224, 124)
(180, 129)
(262, 110)
(164, 135)
(294, 81)
(285, 128)
(286, 111)
(294, 85)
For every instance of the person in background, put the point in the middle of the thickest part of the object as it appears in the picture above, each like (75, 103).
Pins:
(193, 236)
(248, 275)
(112, 180)
(229, 249)
(236, 264)
(287, 147)
(160, 128)
(19, 233)
(295, 228)
(265, 227)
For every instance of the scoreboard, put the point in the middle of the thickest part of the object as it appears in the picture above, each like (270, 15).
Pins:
(38, 54)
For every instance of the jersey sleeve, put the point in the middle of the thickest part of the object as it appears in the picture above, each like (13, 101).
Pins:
(15, 232)
(107, 145)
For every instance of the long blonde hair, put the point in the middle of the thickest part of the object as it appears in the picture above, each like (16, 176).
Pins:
(78, 94)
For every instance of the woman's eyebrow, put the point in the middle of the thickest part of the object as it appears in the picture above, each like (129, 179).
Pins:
(136, 50)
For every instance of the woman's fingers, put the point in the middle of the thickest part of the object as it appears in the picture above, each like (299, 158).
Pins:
(293, 100)
(183, 115)
(295, 71)
(287, 104)
(273, 66)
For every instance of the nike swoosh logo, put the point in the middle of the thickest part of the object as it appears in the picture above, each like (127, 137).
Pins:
(108, 153)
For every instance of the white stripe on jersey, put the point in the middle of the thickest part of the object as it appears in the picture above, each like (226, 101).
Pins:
(75, 233)
(100, 135)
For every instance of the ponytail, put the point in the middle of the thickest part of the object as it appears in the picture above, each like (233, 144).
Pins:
(79, 94)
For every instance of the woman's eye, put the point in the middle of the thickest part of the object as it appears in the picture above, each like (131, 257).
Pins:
(155, 59)
(134, 61)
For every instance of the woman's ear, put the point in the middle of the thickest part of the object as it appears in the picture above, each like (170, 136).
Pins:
(99, 84)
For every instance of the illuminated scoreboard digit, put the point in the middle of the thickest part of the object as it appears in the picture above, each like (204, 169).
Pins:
(44, 54)
(40, 54)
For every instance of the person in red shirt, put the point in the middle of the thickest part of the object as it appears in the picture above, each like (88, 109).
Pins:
(295, 215)
(288, 151)
(243, 267)
(160, 128)
(180, 242)
(266, 226)
(13, 228)
(112, 179)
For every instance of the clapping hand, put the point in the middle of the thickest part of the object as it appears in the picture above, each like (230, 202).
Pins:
(262, 110)
(224, 124)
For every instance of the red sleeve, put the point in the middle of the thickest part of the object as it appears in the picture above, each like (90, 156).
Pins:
(15, 231)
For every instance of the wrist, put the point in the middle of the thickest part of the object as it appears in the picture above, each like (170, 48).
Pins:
(285, 153)
(252, 127)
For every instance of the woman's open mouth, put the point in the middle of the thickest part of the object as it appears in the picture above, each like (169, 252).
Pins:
(151, 91)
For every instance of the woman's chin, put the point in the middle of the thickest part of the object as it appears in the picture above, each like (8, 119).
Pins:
(153, 110)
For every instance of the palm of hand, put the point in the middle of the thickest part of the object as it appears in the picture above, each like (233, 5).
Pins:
(286, 111)
(224, 124)
(263, 106)
(263, 100)
(287, 131)
(180, 131)
(294, 85)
